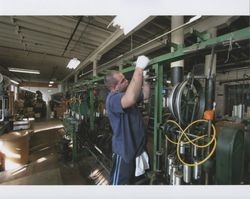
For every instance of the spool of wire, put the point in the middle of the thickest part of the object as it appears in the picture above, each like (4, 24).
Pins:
(182, 148)
(186, 174)
(177, 178)
(170, 162)
(196, 171)
(174, 169)
(195, 152)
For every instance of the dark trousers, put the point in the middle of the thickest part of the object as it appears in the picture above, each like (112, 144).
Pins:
(122, 173)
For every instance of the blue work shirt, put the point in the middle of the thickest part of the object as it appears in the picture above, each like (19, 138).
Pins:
(128, 127)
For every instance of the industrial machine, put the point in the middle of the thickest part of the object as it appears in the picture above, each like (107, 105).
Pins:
(186, 149)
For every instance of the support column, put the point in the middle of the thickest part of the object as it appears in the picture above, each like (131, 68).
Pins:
(95, 68)
(95, 62)
(177, 37)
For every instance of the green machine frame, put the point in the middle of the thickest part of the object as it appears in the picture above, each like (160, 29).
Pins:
(204, 42)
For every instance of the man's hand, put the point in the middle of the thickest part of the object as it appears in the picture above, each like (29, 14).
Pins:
(142, 62)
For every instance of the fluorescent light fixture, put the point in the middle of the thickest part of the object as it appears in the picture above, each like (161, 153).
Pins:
(21, 70)
(73, 63)
(194, 18)
(15, 82)
(128, 22)
(51, 82)
(50, 85)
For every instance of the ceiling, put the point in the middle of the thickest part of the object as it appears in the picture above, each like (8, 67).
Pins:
(47, 43)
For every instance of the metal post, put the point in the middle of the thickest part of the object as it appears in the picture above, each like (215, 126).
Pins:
(73, 135)
(157, 113)
(91, 113)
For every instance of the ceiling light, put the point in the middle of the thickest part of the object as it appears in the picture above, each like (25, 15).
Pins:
(15, 82)
(73, 63)
(128, 22)
(50, 85)
(194, 18)
(51, 82)
(21, 70)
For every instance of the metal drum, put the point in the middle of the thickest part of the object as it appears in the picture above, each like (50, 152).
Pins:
(15, 147)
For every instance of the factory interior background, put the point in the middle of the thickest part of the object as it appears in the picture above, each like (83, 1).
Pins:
(54, 128)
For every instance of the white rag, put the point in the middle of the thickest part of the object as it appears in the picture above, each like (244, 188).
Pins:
(141, 164)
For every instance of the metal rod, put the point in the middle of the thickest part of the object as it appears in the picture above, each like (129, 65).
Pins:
(71, 36)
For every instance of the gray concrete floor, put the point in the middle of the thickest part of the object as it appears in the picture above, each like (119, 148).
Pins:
(47, 167)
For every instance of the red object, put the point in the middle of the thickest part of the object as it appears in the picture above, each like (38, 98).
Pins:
(209, 115)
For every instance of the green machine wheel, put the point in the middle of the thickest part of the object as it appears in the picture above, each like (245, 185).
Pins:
(247, 143)
(230, 156)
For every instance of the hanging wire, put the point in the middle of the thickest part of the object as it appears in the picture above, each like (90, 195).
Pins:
(230, 47)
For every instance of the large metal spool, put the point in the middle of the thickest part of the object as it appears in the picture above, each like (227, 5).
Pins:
(187, 101)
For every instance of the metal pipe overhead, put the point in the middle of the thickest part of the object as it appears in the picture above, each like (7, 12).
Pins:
(71, 36)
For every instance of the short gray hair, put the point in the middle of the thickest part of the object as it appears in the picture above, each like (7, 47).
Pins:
(109, 79)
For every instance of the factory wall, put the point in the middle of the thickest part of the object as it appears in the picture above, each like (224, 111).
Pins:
(220, 90)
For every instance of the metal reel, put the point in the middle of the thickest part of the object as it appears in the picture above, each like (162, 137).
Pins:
(187, 101)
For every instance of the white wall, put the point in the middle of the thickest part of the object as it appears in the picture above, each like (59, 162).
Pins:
(47, 92)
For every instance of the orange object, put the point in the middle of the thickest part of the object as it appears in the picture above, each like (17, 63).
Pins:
(209, 115)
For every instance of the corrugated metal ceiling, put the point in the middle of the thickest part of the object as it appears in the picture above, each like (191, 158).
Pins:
(47, 43)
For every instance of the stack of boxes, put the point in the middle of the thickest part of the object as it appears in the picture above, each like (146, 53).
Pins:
(60, 109)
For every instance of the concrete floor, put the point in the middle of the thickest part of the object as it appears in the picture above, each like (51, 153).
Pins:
(47, 166)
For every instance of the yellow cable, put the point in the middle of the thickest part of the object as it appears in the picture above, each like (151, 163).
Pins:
(183, 132)
(173, 142)
(198, 163)
(199, 146)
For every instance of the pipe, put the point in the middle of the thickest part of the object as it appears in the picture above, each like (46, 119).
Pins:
(210, 94)
(71, 36)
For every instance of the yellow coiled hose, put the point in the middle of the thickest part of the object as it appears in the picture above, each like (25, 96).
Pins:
(183, 133)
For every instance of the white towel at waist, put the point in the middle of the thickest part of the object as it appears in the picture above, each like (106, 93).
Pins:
(141, 164)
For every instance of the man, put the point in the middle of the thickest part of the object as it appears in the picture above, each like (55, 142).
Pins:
(128, 141)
